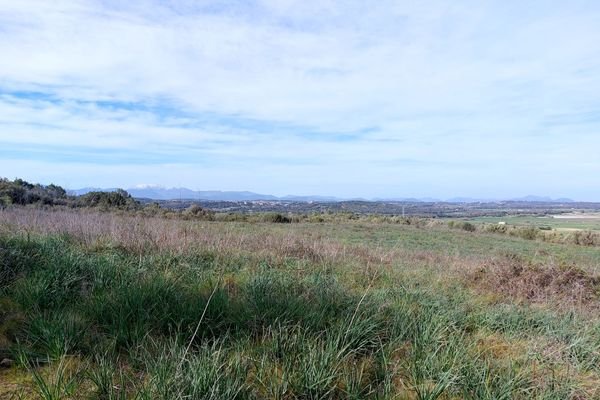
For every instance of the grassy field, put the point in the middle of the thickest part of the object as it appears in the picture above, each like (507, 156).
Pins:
(560, 222)
(106, 306)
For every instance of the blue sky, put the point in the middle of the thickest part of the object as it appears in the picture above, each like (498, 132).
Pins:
(492, 99)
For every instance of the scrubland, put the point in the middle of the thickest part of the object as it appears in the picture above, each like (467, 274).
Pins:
(106, 306)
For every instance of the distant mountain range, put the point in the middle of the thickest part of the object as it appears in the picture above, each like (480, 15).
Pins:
(160, 193)
(525, 199)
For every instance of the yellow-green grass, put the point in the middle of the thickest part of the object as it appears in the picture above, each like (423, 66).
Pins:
(559, 222)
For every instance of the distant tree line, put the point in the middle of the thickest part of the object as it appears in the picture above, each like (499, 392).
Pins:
(119, 199)
(23, 193)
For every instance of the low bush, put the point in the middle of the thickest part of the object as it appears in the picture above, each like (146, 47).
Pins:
(586, 238)
(528, 233)
(118, 199)
(274, 218)
(496, 228)
(464, 225)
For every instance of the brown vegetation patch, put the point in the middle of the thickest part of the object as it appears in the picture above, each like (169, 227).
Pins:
(11, 318)
(516, 279)
(494, 346)
(97, 231)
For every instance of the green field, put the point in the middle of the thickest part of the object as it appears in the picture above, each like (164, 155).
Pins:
(106, 306)
(562, 222)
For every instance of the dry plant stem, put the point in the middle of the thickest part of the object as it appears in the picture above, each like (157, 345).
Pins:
(187, 349)
(359, 304)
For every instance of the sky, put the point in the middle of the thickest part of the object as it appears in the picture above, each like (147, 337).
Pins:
(487, 99)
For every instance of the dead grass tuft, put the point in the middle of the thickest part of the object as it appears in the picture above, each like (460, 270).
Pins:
(512, 277)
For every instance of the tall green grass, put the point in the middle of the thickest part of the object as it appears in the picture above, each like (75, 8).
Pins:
(198, 326)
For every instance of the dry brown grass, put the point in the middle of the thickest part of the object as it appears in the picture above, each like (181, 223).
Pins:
(515, 279)
(95, 230)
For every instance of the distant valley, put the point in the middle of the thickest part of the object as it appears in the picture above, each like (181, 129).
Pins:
(161, 193)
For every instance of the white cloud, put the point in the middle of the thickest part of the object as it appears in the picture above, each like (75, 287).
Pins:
(465, 84)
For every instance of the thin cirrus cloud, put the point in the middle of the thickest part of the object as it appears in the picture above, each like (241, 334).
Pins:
(384, 99)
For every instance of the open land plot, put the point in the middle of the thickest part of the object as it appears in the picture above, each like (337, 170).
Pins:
(569, 221)
(100, 305)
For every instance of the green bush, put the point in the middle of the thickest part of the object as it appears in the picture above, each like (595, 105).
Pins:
(276, 218)
(496, 228)
(196, 212)
(469, 227)
(21, 192)
(465, 226)
(528, 233)
(118, 199)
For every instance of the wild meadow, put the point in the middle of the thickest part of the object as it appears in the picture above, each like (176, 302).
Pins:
(99, 305)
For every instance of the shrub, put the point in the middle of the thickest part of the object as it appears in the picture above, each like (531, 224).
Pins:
(119, 199)
(275, 218)
(23, 193)
(316, 218)
(586, 238)
(465, 226)
(496, 228)
(528, 233)
(197, 212)
(469, 227)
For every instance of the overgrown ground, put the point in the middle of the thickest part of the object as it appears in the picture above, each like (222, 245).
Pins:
(100, 306)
